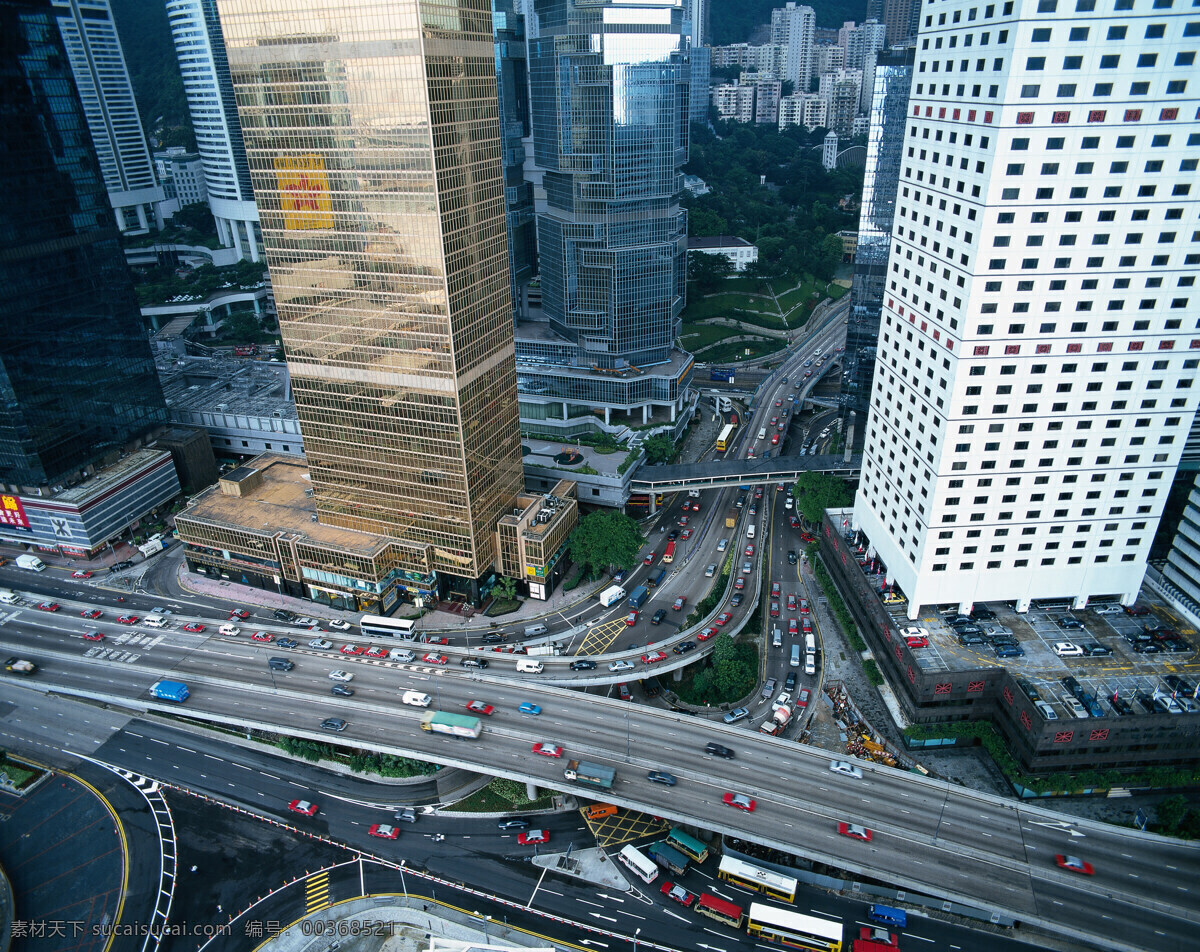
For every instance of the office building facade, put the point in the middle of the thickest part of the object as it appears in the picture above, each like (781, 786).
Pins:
(1036, 372)
(200, 50)
(610, 131)
(89, 34)
(885, 149)
(79, 384)
(374, 149)
(512, 89)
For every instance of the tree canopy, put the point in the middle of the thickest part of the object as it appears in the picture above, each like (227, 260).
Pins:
(816, 492)
(737, 22)
(793, 218)
(606, 539)
(659, 449)
(708, 270)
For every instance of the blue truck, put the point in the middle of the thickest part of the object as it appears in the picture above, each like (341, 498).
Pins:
(175, 691)
(638, 596)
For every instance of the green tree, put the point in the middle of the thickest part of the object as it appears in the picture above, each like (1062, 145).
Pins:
(606, 539)
(197, 217)
(241, 325)
(659, 449)
(505, 589)
(816, 492)
(1171, 812)
(708, 271)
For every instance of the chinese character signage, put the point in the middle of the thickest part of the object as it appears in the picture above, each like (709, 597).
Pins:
(12, 513)
(303, 192)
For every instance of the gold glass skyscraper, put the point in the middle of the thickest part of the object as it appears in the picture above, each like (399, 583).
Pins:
(373, 141)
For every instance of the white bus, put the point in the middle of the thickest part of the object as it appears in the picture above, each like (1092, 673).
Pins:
(379, 627)
(639, 863)
(794, 929)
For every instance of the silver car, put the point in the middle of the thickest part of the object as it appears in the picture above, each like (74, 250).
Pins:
(737, 714)
(847, 768)
(621, 666)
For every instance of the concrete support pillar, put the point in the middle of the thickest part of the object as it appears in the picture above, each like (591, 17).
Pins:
(674, 411)
(223, 232)
(607, 415)
(1022, 605)
(913, 610)
(250, 242)
(143, 222)
(564, 406)
(645, 413)
(236, 231)
(653, 508)
(1080, 603)
(531, 791)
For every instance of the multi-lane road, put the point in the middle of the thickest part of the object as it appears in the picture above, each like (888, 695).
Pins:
(929, 836)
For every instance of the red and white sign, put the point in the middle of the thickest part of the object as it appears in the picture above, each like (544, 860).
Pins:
(12, 513)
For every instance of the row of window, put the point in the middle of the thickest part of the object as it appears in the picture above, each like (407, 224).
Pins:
(1046, 562)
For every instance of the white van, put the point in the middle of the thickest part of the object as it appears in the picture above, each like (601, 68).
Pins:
(795, 662)
(529, 665)
(401, 654)
(762, 432)
(155, 621)
(810, 643)
(9, 597)
(810, 662)
(416, 699)
(229, 630)
(750, 531)
(777, 639)
(534, 630)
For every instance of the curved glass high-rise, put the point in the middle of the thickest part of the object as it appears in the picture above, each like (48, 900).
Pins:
(609, 95)
(204, 68)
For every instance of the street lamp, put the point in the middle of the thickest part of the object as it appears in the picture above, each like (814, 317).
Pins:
(636, 933)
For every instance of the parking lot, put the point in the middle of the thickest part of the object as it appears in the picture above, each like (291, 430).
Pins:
(1118, 669)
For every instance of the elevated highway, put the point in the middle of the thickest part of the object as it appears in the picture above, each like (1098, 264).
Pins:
(930, 836)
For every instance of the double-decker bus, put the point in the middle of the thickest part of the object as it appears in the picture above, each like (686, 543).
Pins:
(725, 438)
(668, 858)
(635, 860)
(669, 553)
(773, 884)
(688, 845)
(793, 929)
(717, 908)
(376, 626)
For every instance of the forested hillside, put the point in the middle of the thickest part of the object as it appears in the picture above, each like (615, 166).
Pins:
(733, 21)
(150, 56)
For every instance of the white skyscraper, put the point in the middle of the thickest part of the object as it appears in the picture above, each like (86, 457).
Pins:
(89, 34)
(200, 49)
(792, 28)
(1038, 356)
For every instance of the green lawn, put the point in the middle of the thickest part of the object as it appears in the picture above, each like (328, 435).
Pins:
(502, 796)
(698, 336)
(759, 347)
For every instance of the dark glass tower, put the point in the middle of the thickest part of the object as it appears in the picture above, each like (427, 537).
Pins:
(512, 91)
(885, 141)
(76, 377)
(609, 95)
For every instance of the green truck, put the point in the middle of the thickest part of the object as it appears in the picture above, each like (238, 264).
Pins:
(590, 775)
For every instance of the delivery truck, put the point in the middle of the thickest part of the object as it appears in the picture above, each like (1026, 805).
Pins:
(31, 562)
(610, 596)
(457, 725)
(590, 775)
(20, 666)
(638, 596)
(175, 691)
